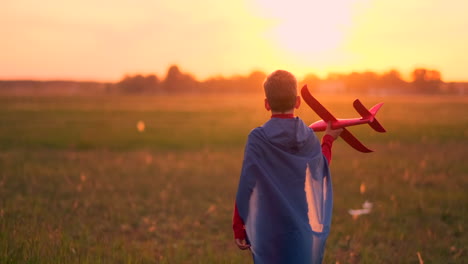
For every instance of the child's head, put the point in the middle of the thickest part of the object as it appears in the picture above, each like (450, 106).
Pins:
(281, 92)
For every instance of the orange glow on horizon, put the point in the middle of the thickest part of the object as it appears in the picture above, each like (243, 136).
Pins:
(105, 40)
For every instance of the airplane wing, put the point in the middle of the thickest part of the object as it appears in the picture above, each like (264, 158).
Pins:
(353, 141)
(327, 116)
(316, 105)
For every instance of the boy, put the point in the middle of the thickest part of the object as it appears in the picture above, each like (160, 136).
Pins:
(284, 198)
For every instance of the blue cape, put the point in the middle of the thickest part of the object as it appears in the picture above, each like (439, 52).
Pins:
(285, 193)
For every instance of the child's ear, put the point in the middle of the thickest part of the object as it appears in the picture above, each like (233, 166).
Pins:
(298, 102)
(267, 105)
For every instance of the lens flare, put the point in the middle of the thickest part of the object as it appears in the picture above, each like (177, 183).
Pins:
(141, 126)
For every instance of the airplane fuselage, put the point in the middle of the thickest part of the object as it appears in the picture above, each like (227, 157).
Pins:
(339, 123)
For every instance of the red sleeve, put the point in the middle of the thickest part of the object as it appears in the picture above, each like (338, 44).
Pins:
(327, 142)
(238, 225)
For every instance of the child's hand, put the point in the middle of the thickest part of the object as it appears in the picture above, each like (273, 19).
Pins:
(335, 133)
(242, 244)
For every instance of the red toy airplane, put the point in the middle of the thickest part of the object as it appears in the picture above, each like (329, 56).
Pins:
(367, 116)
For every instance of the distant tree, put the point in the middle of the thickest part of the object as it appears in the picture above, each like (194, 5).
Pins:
(312, 82)
(361, 82)
(176, 81)
(392, 81)
(235, 84)
(426, 81)
(139, 84)
(254, 82)
(152, 80)
(333, 76)
(391, 78)
(257, 78)
(216, 84)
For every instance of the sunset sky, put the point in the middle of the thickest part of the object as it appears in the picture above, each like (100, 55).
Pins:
(104, 40)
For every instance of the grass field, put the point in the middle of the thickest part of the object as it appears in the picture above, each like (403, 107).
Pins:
(80, 184)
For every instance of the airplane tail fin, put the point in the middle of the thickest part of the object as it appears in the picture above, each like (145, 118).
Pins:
(369, 114)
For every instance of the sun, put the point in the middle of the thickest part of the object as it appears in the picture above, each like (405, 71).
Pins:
(307, 29)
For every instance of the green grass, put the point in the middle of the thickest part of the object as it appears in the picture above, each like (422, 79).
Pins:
(80, 184)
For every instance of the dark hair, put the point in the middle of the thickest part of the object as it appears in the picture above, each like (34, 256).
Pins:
(281, 90)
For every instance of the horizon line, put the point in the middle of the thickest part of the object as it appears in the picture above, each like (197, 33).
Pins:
(107, 80)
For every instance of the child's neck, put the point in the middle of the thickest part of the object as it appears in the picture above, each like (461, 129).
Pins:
(287, 114)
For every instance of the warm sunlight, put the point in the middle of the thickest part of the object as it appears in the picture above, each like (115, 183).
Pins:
(307, 28)
(104, 40)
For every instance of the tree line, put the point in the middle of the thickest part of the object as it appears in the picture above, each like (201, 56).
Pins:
(422, 81)
(176, 81)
